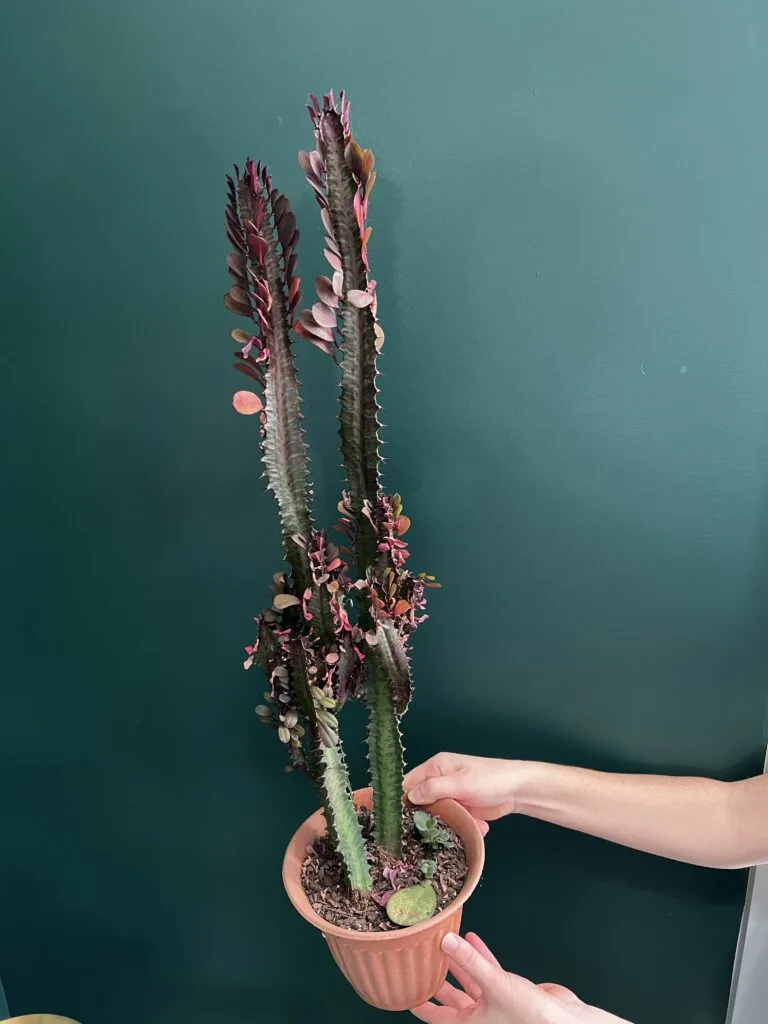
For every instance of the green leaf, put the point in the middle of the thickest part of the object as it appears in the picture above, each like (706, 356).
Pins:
(413, 905)
(430, 833)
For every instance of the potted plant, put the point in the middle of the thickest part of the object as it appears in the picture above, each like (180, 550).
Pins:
(383, 883)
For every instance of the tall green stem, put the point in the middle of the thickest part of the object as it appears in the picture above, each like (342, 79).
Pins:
(349, 178)
(332, 778)
(385, 757)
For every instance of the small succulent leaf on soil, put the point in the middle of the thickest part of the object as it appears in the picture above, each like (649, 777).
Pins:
(430, 833)
(428, 868)
(412, 905)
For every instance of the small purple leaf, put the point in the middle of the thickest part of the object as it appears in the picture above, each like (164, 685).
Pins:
(358, 298)
(312, 331)
(248, 371)
(316, 163)
(236, 262)
(286, 229)
(325, 217)
(323, 315)
(333, 259)
(325, 291)
(236, 307)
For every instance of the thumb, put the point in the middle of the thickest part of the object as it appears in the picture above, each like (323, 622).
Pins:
(438, 787)
(487, 974)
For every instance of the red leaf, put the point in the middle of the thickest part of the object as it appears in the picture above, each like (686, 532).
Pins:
(236, 262)
(246, 403)
(249, 372)
(402, 525)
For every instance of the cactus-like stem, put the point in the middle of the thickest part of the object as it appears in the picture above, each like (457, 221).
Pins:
(262, 228)
(335, 630)
(331, 775)
(342, 177)
(285, 459)
(385, 756)
(359, 407)
(341, 815)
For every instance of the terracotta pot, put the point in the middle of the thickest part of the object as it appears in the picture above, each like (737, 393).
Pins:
(39, 1018)
(400, 969)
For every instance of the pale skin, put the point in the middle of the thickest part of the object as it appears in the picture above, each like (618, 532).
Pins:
(698, 821)
(490, 995)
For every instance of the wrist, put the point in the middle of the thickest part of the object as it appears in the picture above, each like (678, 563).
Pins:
(535, 787)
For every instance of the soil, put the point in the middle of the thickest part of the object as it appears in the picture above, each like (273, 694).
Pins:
(323, 877)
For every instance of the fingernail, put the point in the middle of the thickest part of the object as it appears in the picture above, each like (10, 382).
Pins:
(413, 796)
(450, 943)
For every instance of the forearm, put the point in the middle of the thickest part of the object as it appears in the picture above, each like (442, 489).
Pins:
(699, 821)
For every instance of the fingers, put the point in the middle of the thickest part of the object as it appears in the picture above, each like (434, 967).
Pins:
(438, 787)
(440, 764)
(485, 828)
(449, 995)
(470, 987)
(481, 976)
(486, 974)
(433, 1014)
(477, 943)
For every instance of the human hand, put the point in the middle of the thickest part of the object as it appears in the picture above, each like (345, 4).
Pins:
(486, 786)
(489, 995)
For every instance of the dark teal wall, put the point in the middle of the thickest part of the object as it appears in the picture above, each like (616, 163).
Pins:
(571, 239)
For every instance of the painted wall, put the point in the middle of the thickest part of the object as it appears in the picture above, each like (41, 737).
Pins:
(570, 237)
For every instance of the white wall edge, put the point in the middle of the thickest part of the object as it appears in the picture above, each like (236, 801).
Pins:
(748, 1003)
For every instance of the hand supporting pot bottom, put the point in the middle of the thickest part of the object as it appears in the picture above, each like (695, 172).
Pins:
(490, 995)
